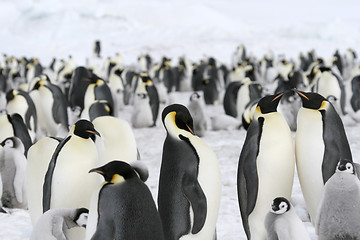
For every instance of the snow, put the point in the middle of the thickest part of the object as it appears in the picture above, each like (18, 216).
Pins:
(50, 28)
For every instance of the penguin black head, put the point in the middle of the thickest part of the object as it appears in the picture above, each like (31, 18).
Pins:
(345, 166)
(194, 96)
(9, 142)
(10, 95)
(81, 217)
(145, 77)
(311, 100)
(180, 115)
(85, 129)
(280, 205)
(268, 104)
(115, 171)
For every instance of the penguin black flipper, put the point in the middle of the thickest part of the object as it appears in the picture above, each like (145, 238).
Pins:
(49, 174)
(230, 98)
(247, 172)
(197, 199)
(31, 112)
(154, 101)
(20, 130)
(336, 149)
(59, 108)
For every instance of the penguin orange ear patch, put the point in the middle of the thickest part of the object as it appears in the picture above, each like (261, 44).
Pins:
(116, 179)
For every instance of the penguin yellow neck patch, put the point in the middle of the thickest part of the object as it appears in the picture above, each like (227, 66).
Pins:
(116, 179)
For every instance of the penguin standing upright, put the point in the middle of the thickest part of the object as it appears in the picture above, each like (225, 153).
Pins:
(230, 98)
(97, 48)
(125, 208)
(20, 102)
(79, 83)
(67, 171)
(266, 166)
(147, 86)
(13, 170)
(189, 185)
(141, 116)
(38, 158)
(283, 223)
(196, 108)
(211, 83)
(320, 142)
(55, 223)
(247, 92)
(53, 106)
(338, 214)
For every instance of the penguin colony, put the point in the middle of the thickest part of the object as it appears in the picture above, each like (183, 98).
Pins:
(68, 156)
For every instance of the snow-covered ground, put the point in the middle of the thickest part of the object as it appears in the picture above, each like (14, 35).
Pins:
(50, 28)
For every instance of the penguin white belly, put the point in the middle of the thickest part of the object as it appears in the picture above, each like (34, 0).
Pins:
(242, 100)
(209, 178)
(72, 185)
(275, 169)
(39, 156)
(89, 97)
(17, 105)
(47, 103)
(6, 129)
(119, 140)
(309, 149)
(329, 85)
(92, 222)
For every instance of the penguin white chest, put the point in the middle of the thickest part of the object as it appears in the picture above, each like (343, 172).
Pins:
(275, 169)
(17, 105)
(309, 149)
(72, 185)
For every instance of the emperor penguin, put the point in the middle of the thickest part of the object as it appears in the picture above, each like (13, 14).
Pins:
(53, 106)
(125, 207)
(78, 86)
(141, 116)
(230, 98)
(147, 86)
(266, 165)
(282, 223)
(54, 224)
(13, 125)
(67, 171)
(248, 91)
(118, 139)
(38, 159)
(196, 107)
(190, 181)
(320, 142)
(338, 214)
(330, 84)
(20, 102)
(99, 90)
(13, 169)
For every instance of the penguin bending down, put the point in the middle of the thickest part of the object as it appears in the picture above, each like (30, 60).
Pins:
(67, 171)
(125, 207)
(13, 170)
(189, 185)
(338, 215)
(282, 223)
(54, 224)
(266, 166)
(320, 142)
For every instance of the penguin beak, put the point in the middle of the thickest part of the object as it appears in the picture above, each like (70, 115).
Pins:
(278, 96)
(97, 171)
(302, 94)
(190, 129)
(94, 132)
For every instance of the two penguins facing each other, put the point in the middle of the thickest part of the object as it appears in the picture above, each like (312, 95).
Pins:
(269, 130)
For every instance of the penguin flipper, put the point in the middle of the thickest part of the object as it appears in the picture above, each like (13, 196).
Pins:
(197, 199)
(20, 130)
(247, 172)
(282, 232)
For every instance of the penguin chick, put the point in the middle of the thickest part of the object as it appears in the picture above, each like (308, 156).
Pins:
(282, 223)
(13, 170)
(55, 223)
(126, 209)
(196, 108)
(338, 215)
